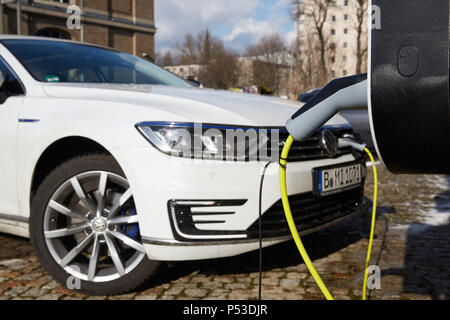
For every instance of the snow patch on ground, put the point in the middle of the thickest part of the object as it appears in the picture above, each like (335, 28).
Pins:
(430, 219)
(438, 214)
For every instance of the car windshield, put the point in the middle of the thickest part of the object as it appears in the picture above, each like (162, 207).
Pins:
(56, 61)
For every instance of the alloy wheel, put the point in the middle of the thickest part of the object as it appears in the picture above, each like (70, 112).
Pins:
(91, 227)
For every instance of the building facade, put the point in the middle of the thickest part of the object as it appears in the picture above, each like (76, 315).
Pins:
(344, 22)
(188, 71)
(125, 25)
(278, 71)
(246, 73)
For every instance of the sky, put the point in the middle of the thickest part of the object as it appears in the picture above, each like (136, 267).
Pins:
(238, 23)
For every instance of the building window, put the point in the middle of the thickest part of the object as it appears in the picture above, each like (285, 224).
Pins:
(53, 33)
(344, 72)
(345, 44)
(345, 16)
(344, 58)
(333, 18)
(333, 32)
(345, 31)
(346, 3)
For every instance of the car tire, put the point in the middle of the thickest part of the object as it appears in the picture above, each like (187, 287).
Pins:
(92, 252)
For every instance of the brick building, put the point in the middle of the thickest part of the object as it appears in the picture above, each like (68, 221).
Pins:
(125, 25)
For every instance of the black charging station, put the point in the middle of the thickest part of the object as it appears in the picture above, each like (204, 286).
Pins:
(409, 81)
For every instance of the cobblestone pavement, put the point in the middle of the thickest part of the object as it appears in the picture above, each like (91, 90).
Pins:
(411, 246)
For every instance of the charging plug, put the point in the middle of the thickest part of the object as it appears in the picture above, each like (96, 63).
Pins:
(346, 142)
(340, 94)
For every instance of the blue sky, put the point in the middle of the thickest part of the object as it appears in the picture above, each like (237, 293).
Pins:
(238, 23)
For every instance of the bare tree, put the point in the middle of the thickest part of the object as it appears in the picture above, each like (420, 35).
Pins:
(188, 51)
(218, 66)
(167, 59)
(268, 61)
(207, 46)
(361, 31)
(317, 13)
(158, 58)
(221, 72)
(315, 54)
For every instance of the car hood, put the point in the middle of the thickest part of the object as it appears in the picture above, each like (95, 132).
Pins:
(195, 104)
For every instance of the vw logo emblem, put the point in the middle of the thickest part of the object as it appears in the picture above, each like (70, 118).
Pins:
(329, 143)
(99, 225)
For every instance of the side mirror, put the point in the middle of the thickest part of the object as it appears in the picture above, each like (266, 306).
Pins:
(195, 83)
(4, 94)
(409, 85)
(2, 78)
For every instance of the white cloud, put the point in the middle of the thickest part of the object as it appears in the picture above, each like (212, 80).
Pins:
(291, 36)
(249, 31)
(250, 26)
(175, 18)
(235, 21)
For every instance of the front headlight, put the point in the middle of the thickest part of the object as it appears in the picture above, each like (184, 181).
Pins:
(215, 142)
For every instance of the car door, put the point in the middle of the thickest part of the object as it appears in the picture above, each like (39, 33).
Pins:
(11, 100)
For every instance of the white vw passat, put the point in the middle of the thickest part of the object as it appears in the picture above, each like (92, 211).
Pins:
(111, 165)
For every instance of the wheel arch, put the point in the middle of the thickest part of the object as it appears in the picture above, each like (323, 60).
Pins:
(59, 151)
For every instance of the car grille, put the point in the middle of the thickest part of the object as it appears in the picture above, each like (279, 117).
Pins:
(308, 211)
(311, 148)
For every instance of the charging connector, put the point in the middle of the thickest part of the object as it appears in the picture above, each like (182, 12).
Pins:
(340, 94)
(347, 142)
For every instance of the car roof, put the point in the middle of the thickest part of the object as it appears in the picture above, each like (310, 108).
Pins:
(14, 37)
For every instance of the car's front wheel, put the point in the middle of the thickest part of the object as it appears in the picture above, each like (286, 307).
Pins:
(85, 230)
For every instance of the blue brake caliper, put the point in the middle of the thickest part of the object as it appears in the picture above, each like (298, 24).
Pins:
(130, 230)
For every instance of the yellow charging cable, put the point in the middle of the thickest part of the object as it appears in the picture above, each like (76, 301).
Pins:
(291, 223)
(372, 227)
(293, 227)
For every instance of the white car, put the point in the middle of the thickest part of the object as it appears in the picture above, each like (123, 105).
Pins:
(91, 172)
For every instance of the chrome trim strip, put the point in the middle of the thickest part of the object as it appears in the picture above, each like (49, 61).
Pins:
(199, 237)
(196, 203)
(28, 120)
(176, 243)
(14, 218)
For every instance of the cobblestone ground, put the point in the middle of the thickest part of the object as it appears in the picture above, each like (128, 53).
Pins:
(411, 246)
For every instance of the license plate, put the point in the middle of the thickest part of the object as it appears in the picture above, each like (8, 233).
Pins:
(336, 179)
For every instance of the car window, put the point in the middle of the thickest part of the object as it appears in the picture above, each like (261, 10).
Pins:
(57, 61)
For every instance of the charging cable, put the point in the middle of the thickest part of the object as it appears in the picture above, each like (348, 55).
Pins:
(372, 227)
(293, 227)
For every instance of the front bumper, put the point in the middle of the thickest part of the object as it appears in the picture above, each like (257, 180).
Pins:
(192, 209)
